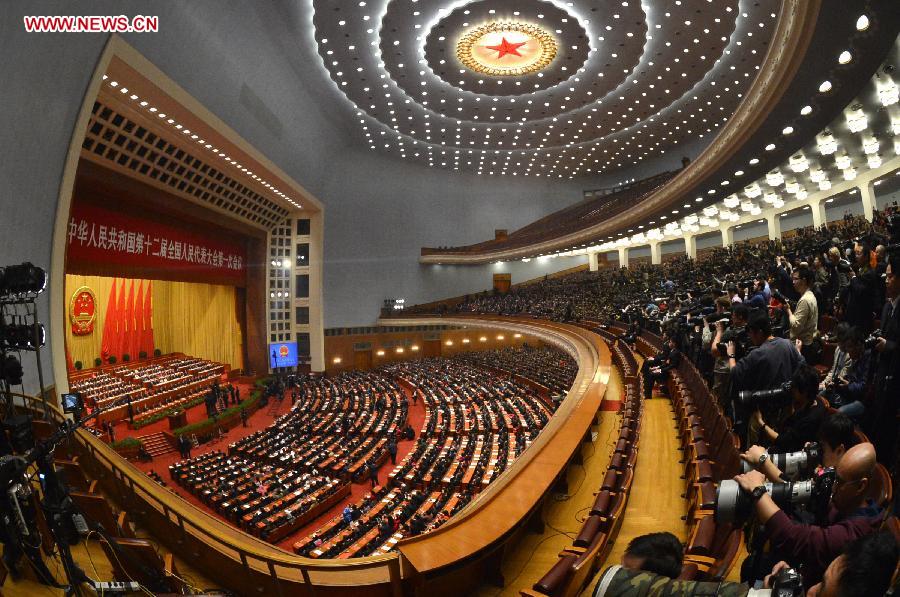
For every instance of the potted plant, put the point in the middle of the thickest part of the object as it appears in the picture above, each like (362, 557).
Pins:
(126, 357)
(98, 362)
(157, 353)
(112, 360)
(78, 365)
(142, 354)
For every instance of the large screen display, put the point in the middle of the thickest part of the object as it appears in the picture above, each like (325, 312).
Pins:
(283, 354)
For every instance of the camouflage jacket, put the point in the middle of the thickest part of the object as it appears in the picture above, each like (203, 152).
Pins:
(617, 581)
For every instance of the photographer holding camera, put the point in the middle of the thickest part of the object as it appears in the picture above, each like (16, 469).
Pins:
(767, 367)
(804, 417)
(805, 319)
(812, 547)
(848, 391)
(837, 434)
(883, 418)
(736, 333)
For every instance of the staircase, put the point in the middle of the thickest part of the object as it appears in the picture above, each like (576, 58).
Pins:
(157, 444)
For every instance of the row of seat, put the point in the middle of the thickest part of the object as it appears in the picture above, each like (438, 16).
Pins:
(578, 562)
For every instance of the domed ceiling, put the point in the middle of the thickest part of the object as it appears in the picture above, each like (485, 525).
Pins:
(539, 88)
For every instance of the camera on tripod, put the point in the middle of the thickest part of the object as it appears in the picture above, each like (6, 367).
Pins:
(795, 465)
(779, 395)
(734, 505)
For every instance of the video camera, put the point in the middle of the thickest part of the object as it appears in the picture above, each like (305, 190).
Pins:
(795, 465)
(734, 505)
(781, 394)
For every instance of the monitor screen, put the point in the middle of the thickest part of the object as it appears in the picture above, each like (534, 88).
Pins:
(283, 354)
(72, 403)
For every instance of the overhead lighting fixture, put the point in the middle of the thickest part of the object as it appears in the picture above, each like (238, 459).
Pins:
(824, 184)
(787, 130)
(801, 194)
(792, 187)
(731, 201)
(888, 93)
(752, 191)
(825, 87)
(798, 162)
(845, 57)
(778, 204)
(827, 144)
(770, 147)
(770, 197)
(843, 161)
(806, 110)
(850, 174)
(856, 119)
(870, 145)
(874, 161)
(817, 175)
(862, 23)
(774, 178)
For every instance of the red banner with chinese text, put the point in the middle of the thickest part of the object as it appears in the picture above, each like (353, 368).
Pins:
(99, 240)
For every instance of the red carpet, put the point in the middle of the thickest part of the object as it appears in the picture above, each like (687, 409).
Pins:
(259, 420)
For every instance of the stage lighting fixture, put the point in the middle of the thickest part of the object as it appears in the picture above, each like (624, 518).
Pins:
(21, 336)
(22, 279)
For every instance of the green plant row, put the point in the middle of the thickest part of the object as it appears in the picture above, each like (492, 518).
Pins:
(166, 412)
(128, 442)
(112, 360)
(201, 427)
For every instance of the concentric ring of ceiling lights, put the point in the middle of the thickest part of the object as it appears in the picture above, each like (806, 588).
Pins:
(629, 82)
(520, 48)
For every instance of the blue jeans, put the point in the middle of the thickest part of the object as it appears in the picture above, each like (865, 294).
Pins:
(854, 410)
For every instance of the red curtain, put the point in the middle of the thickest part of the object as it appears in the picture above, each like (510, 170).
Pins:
(108, 343)
(137, 338)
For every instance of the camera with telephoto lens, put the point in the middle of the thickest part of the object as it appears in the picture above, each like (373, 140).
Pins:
(781, 394)
(872, 340)
(795, 465)
(734, 505)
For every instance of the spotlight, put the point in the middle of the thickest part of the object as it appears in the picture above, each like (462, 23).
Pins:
(22, 279)
(21, 337)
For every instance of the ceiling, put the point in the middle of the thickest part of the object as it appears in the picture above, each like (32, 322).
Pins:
(629, 81)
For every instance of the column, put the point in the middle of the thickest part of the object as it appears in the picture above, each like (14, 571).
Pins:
(690, 246)
(867, 194)
(774, 222)
(655, 253)
(592, 261)
(623, 256)
(727, 236)
(818, 213)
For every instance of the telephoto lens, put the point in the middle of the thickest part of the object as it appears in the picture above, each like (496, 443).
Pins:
(783, 392)
(734, 505)
(794, 465)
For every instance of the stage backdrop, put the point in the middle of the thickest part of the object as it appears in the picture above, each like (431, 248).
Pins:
(200, 320)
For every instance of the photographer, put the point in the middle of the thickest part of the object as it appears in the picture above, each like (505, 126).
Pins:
(863, 289)
(865, 567)
(813, 547)
(804, 320)
(736, 333)
(837, 434)
(883, 418)
(847, 392)
(657, 368)
(804, 418)
(841, 362)
(772, 363)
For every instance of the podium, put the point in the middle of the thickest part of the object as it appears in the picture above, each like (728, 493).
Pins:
(177, 419)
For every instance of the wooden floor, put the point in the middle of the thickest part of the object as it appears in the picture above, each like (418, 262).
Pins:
(655, 503)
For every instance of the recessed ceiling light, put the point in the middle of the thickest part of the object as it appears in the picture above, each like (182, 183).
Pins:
(770, 147)
(787, 130)
(825, 87)
(862, 23)
(806, 110)
(845, 57)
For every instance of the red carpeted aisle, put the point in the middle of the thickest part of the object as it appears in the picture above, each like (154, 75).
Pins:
(260, 420)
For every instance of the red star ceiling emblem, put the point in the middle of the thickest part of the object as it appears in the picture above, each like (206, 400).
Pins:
(505, 48)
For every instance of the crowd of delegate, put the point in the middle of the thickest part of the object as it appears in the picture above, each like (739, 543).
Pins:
(480, 412)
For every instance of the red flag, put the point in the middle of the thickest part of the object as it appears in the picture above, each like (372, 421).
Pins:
(137, 338)
(148, 320)
(108, 342)
(128, 344)
(70, 366)
(120, 324)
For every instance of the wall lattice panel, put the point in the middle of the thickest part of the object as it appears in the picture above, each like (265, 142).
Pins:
(117, 141)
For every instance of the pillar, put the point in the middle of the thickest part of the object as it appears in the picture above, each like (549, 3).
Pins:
(655, 253)
(623, 256)
(774, 222)
(867, 194)
(593, 261)
(818, 213)
(690, 246)
(727, 236)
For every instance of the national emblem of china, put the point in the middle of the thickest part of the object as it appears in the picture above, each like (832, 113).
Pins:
(284, 351)
(83, 311)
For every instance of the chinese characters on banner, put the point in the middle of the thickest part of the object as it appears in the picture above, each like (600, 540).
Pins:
(95, 235)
